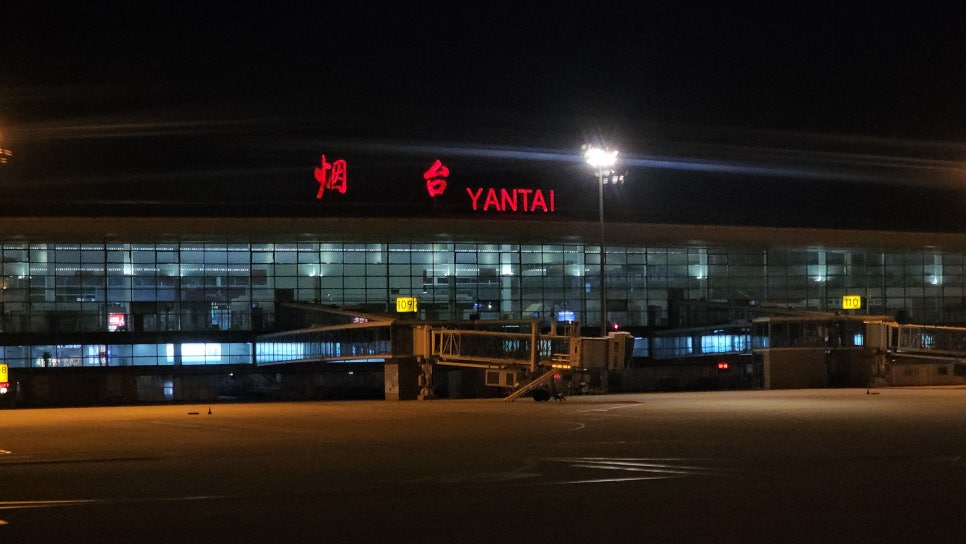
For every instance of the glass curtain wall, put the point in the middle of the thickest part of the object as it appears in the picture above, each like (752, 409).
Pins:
(67, 288)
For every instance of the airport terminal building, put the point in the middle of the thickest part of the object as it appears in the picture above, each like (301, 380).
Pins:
(175, 286)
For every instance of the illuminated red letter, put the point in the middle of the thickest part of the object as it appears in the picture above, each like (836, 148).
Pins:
(436, 178)
(338, 181)
(475, 197)
(491, 199)
(538, 201)
(321, 176)
(509, 200)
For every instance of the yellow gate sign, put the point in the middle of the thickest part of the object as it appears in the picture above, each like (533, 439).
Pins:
(406, 305)
(4, 377)
(851, 302)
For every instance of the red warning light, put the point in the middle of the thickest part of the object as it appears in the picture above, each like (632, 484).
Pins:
(722, 366)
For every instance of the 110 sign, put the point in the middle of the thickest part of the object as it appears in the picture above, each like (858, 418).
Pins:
(851, 302)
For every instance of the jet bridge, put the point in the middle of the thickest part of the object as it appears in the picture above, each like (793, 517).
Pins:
(857, 351)
(519, 358)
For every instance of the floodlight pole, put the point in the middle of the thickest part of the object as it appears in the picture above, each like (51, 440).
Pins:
(603, 253)
(603, 161)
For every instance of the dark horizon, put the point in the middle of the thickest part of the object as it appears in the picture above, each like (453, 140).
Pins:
(822, 117)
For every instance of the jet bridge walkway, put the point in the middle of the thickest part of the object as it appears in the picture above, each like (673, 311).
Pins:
(524, 362)
(857, 351)
(513, 355)
(788, 351)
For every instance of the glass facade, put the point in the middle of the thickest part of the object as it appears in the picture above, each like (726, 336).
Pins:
(67, 289)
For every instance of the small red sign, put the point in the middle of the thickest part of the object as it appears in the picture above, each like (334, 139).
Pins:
(116, 321)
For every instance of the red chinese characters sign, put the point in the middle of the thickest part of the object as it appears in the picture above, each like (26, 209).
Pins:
(436, 179)
(331, 176)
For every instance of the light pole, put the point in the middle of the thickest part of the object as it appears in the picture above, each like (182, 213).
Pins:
(603, 161)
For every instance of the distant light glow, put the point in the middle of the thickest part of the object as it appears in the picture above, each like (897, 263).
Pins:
(903, 167)
(195, 353)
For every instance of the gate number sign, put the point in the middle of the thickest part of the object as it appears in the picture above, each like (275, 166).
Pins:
(851, 302)
(4, 377)
(406, 304)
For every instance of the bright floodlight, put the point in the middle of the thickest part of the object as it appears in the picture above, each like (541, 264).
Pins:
(600, 158)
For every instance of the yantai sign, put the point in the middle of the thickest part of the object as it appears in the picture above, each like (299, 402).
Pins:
(511, 200)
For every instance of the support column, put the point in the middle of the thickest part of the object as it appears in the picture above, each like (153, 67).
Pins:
(402, 378)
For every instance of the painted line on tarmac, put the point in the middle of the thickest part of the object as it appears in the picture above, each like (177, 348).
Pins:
(608, 480)
(16, 505)
(20, 505)
(608, 409)
(25, 505)
(637, 469)
(576, 427)
(618, 469)
(64, 460)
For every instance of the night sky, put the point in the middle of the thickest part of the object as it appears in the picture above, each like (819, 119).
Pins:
(818, 114)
